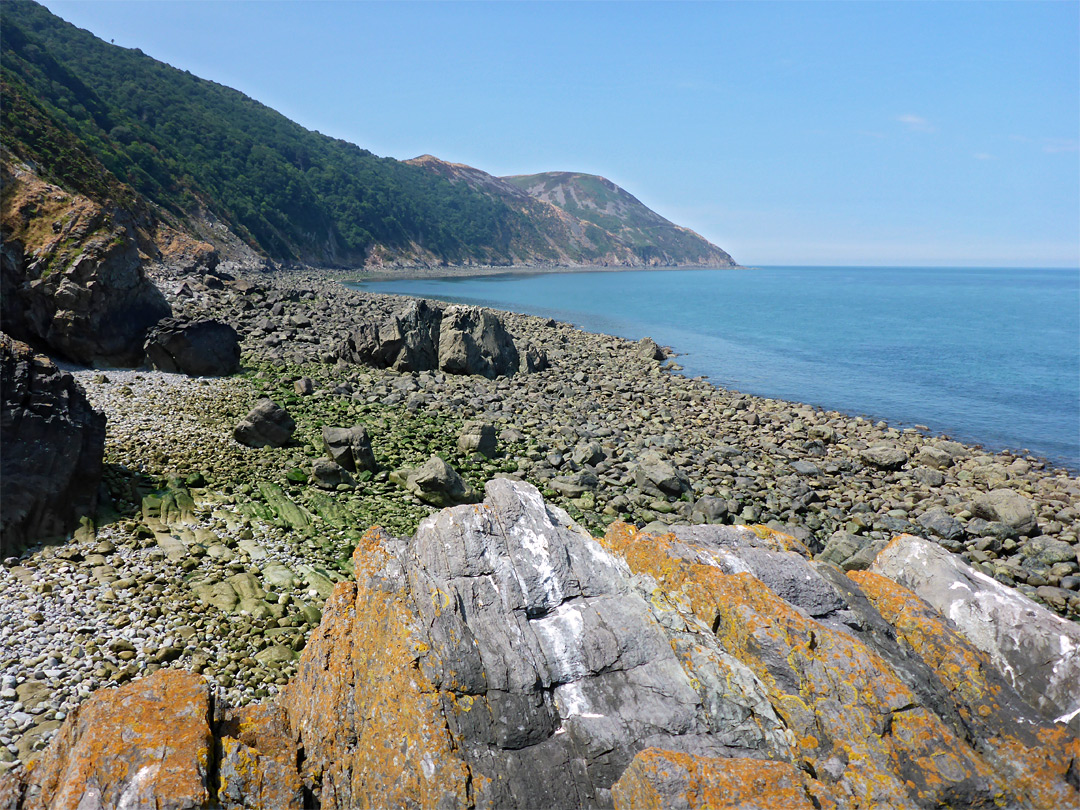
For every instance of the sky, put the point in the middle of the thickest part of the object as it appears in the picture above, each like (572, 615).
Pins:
(802, 133)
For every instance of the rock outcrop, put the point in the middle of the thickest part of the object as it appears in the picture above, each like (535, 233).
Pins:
(53, 446)
(502, 657)
(72, 274)
(422, 336)
(203, 348)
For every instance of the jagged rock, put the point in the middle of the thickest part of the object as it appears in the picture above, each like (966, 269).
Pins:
(196, 348)
(477, 437)
(474, 341)
(268, 425)
(258, 761)
(53, 447)
(144, 744)
(587, 454)
(658, 476)
(304, 386)
(1038, 652)
(78, 290)
(1009, 508)
(437, 483)
(422, 336)
(884, 457)
(349, 447)
(406, 340)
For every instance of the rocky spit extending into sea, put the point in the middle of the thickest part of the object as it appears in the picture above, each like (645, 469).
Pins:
(482, 648)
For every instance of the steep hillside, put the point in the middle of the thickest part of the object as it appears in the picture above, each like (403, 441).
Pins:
(90, 116)
(654, 240)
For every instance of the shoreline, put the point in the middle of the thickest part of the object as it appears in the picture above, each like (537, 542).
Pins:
(232, 584)
(954, 433)
(453, 272)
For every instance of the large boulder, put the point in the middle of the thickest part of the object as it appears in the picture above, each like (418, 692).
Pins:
(267, 425)
(422, 336)
(474, 341)
(477, 437)
(53, 445)
(197, 348)
(656, 475)
(1038, 651)
(884, 457)
(1009, 508)
(405, 340)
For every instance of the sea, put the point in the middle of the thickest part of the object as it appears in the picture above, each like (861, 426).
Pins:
(987, 356)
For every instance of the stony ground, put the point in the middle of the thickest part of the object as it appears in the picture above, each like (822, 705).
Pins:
(217, 557)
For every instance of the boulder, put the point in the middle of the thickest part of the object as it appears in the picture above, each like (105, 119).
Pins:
(587, 454)
(267, 425)
(329, 475)
(405, 340)
(437, 483)
(1037, 651)
(658, 476)
(934, 457)
(197, 348)
(1008, 508)
(477, 437)
(53, 448)
(349, 447)
(939, 522)
(884, 457)
(648, 349)
(145, 744)
(474, 341)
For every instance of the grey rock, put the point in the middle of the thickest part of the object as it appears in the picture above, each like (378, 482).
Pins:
(477, 437)
(304, 386)
(437, 483)
(53, 449)
(934, 457)
(267, 425)
(710, 508)
(349, 447)
(928, 476)
(884, 457)
(329, 475)
(1009, 508)
(404, 340)
(474, 341)
(587, 454)
(656, 475)
(648, 349)
(204, 348)
(939, 522)
(842, 548)
(805, 467)
(1037, 652)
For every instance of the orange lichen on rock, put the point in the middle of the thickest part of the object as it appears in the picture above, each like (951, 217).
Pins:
(369, 723)
(1033, 756)
(658, 779)
(147, 743)
(839, 698)
(258, 760)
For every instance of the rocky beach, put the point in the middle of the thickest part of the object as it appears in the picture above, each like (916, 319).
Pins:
(214, 557)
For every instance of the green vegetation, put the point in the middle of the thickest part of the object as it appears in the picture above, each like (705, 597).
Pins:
(76, 105)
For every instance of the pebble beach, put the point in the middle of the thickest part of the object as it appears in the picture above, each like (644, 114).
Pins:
(212, 556)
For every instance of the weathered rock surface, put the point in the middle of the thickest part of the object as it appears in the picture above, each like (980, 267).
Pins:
(77, 288)
(205, 348)
(1008, 508)
(53, 446)
(349, 447)
(439, 484)
(502, 657)
(267, 425)
(477, 437)
(421, 336)
(1038, 652)
(884, 457)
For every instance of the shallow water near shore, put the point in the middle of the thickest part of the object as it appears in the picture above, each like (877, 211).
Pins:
(988, 356)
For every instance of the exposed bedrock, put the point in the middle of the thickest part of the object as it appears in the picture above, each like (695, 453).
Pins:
(422, 336)
(502, 657)
(53, 445)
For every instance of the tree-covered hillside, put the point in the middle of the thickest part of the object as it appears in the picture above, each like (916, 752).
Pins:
(186, 143)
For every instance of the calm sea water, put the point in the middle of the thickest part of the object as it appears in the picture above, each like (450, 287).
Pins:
(988, 356)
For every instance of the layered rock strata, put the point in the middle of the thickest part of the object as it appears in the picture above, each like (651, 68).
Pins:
(502, 657)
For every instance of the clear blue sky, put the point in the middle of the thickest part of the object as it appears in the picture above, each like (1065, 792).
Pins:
(787, 133)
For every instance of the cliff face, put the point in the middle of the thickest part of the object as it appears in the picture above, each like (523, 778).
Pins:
(502, 657)
(653, 239)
